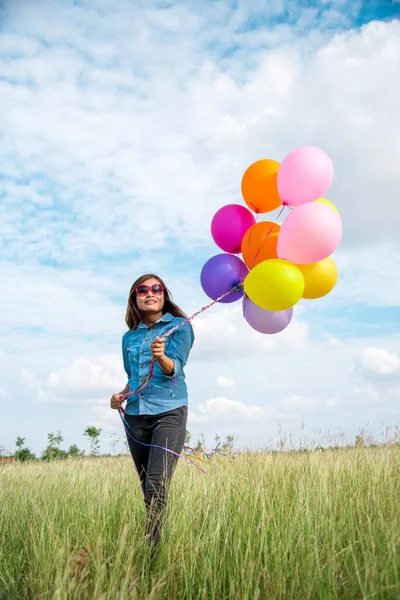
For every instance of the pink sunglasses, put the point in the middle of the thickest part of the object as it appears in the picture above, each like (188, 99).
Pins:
(156, 288)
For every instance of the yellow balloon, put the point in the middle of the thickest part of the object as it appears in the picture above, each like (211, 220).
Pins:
(274, 284)
(320, 278)
(325, 201)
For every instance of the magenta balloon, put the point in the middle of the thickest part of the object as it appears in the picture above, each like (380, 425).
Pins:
(309, 234)
(229, 225)
(304, 175)
(265, 321)
(220, 274)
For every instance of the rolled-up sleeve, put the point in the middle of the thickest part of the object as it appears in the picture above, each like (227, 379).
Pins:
(179, 348)
(125, 357)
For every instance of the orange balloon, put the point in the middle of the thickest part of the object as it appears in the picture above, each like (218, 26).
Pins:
(260, 187)
(259, 243)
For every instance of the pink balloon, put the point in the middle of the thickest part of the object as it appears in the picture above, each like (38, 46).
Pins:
(229, 225)
(309, 234)
(304, 175)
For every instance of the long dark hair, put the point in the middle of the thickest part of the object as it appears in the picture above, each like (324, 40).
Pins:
(133, 316)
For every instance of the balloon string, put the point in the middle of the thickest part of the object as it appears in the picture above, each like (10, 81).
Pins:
(267, 236)
(126, 426)
(236, 287)
(186, 449)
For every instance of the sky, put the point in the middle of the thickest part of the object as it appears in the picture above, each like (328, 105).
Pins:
(124, 127)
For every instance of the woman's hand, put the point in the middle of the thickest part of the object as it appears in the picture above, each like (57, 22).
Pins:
(116, 401)
(157, 347)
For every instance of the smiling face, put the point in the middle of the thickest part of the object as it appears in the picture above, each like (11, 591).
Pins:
(150, 305)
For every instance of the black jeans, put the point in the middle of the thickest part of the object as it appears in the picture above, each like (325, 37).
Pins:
(154, 465)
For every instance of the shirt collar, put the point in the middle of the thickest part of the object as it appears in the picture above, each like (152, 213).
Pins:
(166, 318)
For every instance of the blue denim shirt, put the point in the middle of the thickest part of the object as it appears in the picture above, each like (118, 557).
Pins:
(163, 392)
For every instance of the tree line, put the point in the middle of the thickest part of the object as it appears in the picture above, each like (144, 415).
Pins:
(54, 441)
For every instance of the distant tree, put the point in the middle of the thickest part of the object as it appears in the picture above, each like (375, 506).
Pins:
(217, 439)
(188, 435)
(227, 446)
(93, 434)
(53, 453)
(360, 442)
(22, 453)
(200, 443)
(55, 439)
(74, 451)
(53, 450)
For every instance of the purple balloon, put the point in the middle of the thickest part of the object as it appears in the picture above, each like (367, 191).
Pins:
(265, 321)
(220, 274)
(229, 225)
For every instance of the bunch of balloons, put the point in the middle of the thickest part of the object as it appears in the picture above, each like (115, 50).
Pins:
(280, 264)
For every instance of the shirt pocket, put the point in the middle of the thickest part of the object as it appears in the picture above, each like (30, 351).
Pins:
(133, 351)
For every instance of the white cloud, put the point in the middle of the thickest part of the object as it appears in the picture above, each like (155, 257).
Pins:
(88, 376)
(224, 333)
(85, 381)
(333, 341)
(91, 129)
(333, 402)
(225, 382)
(106, 419)
(194, 419)
(30, 379)
(380, 361)
(230, 410)
(58, 301)
(3, 392)
(294, 403)
(364, 394)
(366, 276)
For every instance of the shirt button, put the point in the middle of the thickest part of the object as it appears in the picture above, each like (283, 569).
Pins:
(141, 366)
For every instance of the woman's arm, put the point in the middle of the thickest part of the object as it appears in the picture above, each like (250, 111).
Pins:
(167, 365)
(178, 351)
(125, 390)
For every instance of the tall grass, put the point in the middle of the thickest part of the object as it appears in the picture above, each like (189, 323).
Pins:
(318, 525)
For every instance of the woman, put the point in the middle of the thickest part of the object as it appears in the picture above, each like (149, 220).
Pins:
(157, 415)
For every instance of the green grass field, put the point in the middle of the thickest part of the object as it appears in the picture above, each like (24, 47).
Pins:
(322, 524)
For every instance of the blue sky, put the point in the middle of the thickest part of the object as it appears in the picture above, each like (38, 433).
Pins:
(378, 9)
(122, 131)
